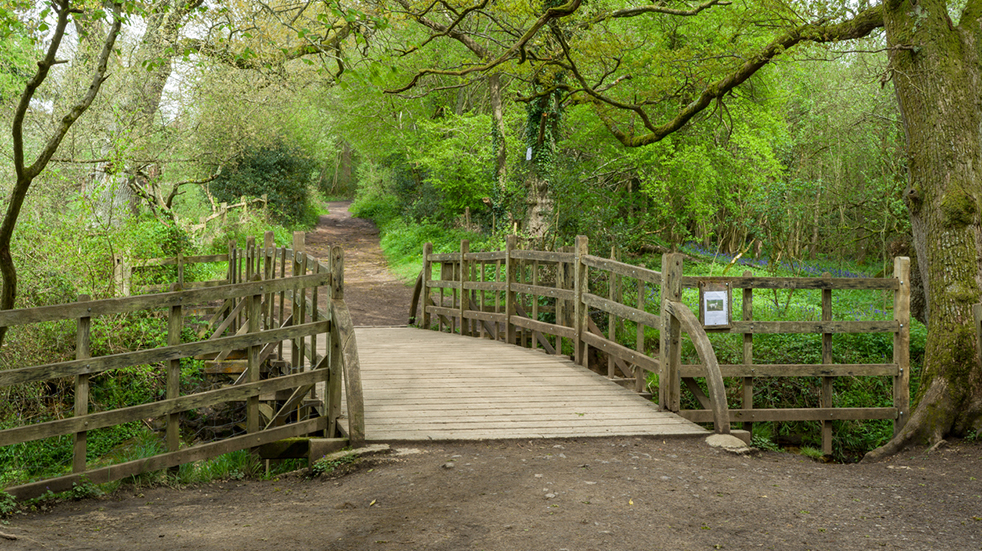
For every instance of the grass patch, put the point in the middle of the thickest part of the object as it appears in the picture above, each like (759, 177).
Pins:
(326, 466)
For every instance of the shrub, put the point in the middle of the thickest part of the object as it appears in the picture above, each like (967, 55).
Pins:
(280, 171)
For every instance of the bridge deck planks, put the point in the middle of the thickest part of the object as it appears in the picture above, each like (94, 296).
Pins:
(426, 385)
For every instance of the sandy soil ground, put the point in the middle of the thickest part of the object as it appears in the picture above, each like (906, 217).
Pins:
(573, 495)
(599, 494)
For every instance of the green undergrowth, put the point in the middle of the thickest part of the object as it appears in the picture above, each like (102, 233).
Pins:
(235, 465)
(325, 466)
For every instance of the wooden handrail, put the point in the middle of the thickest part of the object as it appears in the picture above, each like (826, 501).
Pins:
(248, 305)
(454, 279)
(417, 291)
(343, 331)
(714, 380)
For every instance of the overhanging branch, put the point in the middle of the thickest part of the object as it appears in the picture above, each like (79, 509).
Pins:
(516, 50)
(862, 25)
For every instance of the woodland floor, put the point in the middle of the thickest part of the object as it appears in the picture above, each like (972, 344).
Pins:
(586, 494)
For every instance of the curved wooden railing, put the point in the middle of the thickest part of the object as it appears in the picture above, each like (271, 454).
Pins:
(557, 300)
(714, 379)
(269, 307)
(550, 300)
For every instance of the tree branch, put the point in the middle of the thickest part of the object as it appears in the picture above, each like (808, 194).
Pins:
(660, 8)
(242, 60)
(447, 30)
(516, 50)
(862, 25)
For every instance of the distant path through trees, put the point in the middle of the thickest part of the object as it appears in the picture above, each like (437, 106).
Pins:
(374, 295)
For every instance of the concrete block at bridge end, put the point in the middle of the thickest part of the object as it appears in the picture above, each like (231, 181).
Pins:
(319, 447)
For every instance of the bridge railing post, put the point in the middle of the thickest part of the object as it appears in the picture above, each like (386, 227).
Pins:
(427, 277)
(175, 323)
(580, 286)
(510, 266)
(269, 272)
(252, 403)
(670, 351)
(464, 277)
(82, 352)
(233, 271)
(299, 295)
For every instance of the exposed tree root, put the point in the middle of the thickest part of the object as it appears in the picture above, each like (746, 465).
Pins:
(930, 422)
(7, 536)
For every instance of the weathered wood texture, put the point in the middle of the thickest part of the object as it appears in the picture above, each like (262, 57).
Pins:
(542, 295)
(248, 319)
(425, 385)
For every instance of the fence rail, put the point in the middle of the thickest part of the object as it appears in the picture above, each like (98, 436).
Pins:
(570, 301)
(271, 298)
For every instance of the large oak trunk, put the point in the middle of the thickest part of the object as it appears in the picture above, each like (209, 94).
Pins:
(936, 74)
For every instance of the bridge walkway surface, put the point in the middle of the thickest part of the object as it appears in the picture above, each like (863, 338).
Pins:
(427, 385)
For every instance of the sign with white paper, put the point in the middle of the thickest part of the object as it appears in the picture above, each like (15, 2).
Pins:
(715, 302)
(716, 305)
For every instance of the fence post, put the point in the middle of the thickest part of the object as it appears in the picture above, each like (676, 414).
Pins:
(465, 247)
(534, 340)
(901, 342)
(333, 391)
(269, 271)
(580, 286)
(82, 342)
(180, 268)
(748, 350)
(427, 277)
(252, 403)
(640, 375)
(250, 257)
(282, 316)
(510, 242)
(233, 278)
(119, 276)
(563, 281)
(298, 309)
(127, 277)
(612, 294)
(174, 325)
(826, 397)
(670, 352)
(314, 298)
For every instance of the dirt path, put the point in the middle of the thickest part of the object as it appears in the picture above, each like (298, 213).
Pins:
(601, 494)
(575, 495)
(374, 296)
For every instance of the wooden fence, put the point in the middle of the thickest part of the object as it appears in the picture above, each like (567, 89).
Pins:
(271, 299)
(558, 301)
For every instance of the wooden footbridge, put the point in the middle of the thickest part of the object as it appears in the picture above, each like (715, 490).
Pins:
(526, 344)
(426, 385)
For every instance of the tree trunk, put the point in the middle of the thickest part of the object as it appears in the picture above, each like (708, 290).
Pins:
(936, 74)
(501, 148)
(539, 205)
(119, 189)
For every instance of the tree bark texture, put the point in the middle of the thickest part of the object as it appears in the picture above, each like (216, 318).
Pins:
(498, 118)
(937, 76)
